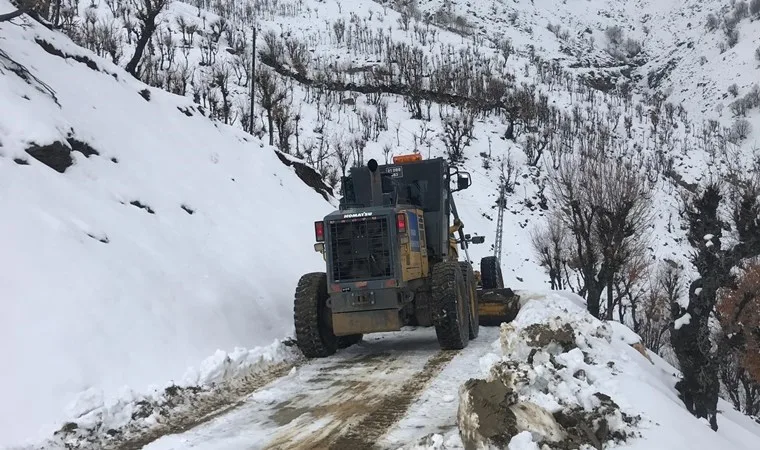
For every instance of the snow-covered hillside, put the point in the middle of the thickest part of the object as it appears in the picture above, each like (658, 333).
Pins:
(572, 379)
(167, 238)
(172, 235)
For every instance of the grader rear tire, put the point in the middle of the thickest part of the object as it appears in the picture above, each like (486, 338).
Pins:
(452, 310)
(313, 319)
(472, 295)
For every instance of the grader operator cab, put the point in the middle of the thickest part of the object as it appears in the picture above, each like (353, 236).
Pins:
(392, 260)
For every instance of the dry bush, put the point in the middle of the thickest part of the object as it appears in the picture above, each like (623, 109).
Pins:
(457, 133)
(754, 7)
(739, 310)
(550, 244)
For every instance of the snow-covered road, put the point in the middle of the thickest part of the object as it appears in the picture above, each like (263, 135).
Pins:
(388, 391)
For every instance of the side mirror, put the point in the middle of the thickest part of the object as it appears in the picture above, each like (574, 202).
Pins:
(463, 181)
(467, 237)
(478, 239)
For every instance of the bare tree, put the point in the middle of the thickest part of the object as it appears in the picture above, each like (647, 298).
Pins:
(273, 51)
(271, 94)
(457, 132)
(342, 154)
(283, 120)
(715, 263)
(357, 146)
(604, 202)
(623, 198)
(221, 79)
(299, 55)
(146, 12)
(652, 320)
(550, 243)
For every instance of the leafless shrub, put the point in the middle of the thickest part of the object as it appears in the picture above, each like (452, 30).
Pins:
(550, 244)
(357, 146)
(342, 154)
(271, 92)
(339, 28)
(283, 120)
(754, 7)
(741, 10)
(274, 49)
(712, 22)
(299, 54)
(614, 35)
(507, 49)
(221, 80)
(651, 319)
(209, 50)
(457, 133)
(740, 130)
(218, 27)
(387, 152)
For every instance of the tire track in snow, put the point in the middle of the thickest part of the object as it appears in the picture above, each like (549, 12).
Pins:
(366, 433)
(362, 410)
(350, 400)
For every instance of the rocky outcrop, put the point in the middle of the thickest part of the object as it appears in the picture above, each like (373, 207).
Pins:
(307, 174)
(490, 414)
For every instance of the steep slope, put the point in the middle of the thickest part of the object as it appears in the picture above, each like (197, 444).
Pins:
(167, 238)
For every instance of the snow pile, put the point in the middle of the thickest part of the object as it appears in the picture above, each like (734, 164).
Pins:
(566, 378)
(221, 380)
(159, 239)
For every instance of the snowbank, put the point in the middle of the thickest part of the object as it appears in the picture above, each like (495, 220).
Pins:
(558, 358)
(178, 238)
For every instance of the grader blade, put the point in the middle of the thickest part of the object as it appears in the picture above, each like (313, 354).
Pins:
(497, 306)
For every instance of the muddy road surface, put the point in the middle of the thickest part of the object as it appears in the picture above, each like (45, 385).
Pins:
(388, 391)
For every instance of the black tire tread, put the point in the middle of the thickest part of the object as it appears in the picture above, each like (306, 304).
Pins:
(452, 331)
(312, 336)
(469, 279)
(490, 273)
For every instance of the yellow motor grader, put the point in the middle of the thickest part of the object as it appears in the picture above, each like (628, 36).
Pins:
(392, 260)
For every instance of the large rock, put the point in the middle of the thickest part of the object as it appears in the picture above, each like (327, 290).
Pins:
(490, 415)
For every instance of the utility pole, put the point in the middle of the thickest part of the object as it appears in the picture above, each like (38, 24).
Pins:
(500, 219)
(253, 78)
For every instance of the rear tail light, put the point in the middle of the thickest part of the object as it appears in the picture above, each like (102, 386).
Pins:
(319, 231)
(401, 222)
